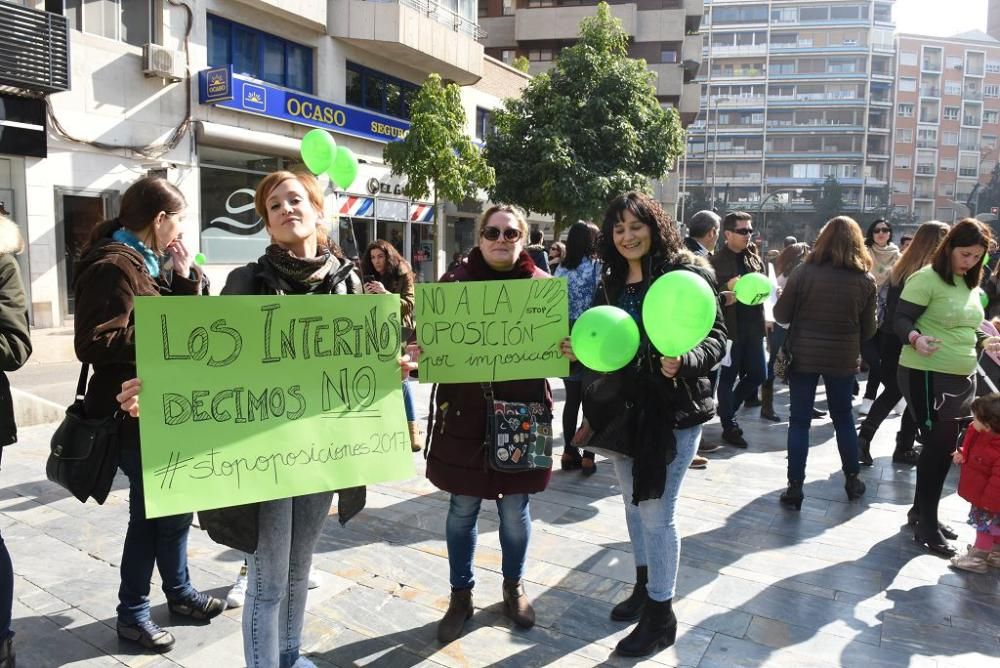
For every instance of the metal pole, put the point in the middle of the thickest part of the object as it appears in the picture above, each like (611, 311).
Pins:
(715, 147)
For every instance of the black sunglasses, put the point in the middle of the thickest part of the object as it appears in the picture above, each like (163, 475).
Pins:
(493, 233)
(744, 231)
(881, 229)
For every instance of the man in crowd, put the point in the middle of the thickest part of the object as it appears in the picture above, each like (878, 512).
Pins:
(745, 324)
(537, 251)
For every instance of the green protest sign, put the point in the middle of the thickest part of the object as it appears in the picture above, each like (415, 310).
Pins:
(492, 330)
(255, 398)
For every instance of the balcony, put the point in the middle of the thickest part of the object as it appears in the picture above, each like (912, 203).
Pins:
(563, 23)
(34, 50)
(718, 51)
(425, 35)
(669, 78)
(926, 169)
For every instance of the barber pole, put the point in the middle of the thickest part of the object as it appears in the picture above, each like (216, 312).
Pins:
(352, 205)
(421, 213)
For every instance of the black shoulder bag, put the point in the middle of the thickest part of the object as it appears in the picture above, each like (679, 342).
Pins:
(518, 435)
(83, 453)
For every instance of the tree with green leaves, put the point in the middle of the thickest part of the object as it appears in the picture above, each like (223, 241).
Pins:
(830, 200)
(437, 155)
(698, 199)
(585, 131)
(521, 63)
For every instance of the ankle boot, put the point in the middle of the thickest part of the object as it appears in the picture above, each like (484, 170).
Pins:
(865, 451)
(516, 604)
(630, 609)
(853, 485)
(767, 401)
(792, 497)
(7, 653)
(657, 628)
(416, 440)
(459, 611)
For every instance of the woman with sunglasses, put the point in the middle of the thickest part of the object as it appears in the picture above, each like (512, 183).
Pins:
(938, 318)
(884, 254)
(455, 449)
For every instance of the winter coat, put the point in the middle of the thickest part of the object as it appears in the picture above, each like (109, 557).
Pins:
(456, 459)
(539, 257)
(108, 279)
(979, 483)
(402, 285)
(15, 343)
(237, 526)
(830, 311)
(729, 265)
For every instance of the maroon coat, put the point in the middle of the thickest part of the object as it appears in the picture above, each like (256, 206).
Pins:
(456, 459)
(980, 480)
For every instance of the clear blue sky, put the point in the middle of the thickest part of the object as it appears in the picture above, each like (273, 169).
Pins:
(940, 18)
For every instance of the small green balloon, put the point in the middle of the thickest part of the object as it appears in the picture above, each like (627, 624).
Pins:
(752, 289)
(605, 338)
(318, 149)
(984, 298)
(678, 312)
(199, 259)
(344, 168)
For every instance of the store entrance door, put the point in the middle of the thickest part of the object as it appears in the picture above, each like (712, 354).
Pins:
(77, 213)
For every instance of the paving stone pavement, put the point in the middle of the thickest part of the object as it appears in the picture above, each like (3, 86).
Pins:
(837, 584)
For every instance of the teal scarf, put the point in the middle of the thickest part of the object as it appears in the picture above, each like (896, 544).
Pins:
(124, 236)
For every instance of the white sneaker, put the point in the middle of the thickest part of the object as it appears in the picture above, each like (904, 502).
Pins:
(866, 405)
(313, 583)
(303, 662)
(237, 595)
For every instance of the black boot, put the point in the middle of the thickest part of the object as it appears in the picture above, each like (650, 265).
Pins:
(865, 451)
(853, 485)
(7, 653)
(792, 497)
(630, 609)
(767, 401)
(657, 628)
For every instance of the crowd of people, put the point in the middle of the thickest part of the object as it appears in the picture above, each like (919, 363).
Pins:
(912, 316)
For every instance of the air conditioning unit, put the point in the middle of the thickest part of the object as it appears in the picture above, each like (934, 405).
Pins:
(158, 61)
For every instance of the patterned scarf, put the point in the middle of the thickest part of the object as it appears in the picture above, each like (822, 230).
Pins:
(305, 275)
(150, 258)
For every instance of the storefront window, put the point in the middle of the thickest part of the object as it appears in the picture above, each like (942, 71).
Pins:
(422, 253)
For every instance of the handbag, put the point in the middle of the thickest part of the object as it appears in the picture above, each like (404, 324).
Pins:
(783, 361)
(608, 407)
(83, 455)
(518, 435)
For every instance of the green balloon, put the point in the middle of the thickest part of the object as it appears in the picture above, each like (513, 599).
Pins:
(199, 259)
(318, 150)
(752, 289)
(678, 312)
(984, 298)
(605, 338)
(344, 168)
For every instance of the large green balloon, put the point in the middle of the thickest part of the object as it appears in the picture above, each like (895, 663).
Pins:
(344, 168)
(318, 150)
(605, 338)
(678, 312)
(752, 289)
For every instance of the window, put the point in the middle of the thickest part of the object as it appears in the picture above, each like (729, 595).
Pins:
(377, 91)
(946, 188)
(949, 138)
(484, 8)
(540, 55)
(991, 116)
(129, 21)
(902, 161)
(991, 90)
(953, 62)
(945, 213)
(508, 7)
(927, 137)
(900, 186)
(668, 56)
(905, 110)
(907, 84)
(993, 66)
(508, 56)
(952, 87)
(259, 54)
(951, 113)
(908, 58)
(947, 164)
(484, 123)
(904, 135)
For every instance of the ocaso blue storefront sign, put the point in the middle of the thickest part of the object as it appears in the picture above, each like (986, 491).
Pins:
(221, 87)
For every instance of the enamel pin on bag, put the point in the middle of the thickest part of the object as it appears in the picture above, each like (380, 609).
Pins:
(518, 435)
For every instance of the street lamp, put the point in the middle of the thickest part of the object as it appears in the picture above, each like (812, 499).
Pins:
(714, 102)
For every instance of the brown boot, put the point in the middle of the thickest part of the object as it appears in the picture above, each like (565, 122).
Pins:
(516, 604)
(459, 611)
(416, 440)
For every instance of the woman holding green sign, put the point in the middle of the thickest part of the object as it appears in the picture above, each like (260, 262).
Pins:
(671, 398)
(455, 460)
(122, 262)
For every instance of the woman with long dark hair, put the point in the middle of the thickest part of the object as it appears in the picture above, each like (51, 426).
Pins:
(122, 262)
(673, 398)
(938, 317)
(582, 271)
(385, 271)
(884, 254)
(829, 306)
(916, 256)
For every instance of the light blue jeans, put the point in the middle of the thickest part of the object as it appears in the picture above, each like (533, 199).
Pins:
(278, 578)
(461, 532)
(651, 526)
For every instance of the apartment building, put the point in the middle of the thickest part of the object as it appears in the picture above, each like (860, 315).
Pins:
(794, 91)
(947, 123)
(215, 99)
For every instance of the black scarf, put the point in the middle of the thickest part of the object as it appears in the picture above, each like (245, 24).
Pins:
(300, 274)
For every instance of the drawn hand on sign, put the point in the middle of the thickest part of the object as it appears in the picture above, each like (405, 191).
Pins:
(128, 398)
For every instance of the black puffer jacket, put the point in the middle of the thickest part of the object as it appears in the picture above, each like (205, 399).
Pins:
(830, 311)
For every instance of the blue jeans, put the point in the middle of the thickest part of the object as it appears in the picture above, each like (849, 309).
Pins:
(278, 578)
(651, 526)
(747, 356)
(161, 541)
(839, 392)
(461, 531)
(408, 405)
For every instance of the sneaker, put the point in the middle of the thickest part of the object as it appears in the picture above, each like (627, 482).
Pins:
(303, 662)
(866, 405)
(707, 447)
(313, 578)
(698, 463)
(147, 634)
(237, 595)
(734, 437)
(200, 606)
(973, 560)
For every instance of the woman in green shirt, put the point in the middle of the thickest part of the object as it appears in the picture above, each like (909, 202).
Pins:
(938, 315)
